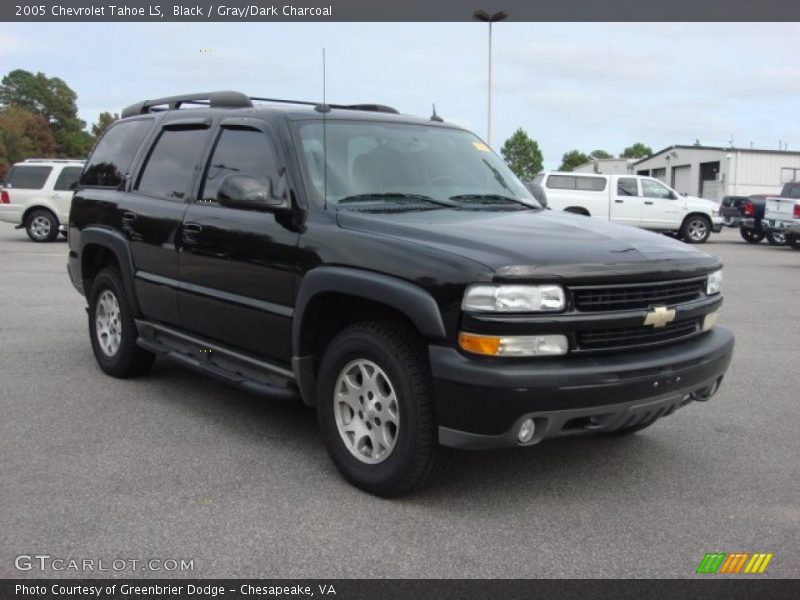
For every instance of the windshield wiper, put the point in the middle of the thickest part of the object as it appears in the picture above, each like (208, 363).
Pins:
(490, 199)
(392, 196)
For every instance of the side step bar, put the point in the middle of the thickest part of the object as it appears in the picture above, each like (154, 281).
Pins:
(221, 363)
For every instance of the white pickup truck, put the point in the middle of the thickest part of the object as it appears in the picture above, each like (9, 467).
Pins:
(630, 199)
(782, 214)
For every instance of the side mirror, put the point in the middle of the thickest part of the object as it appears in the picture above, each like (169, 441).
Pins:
(250, 193)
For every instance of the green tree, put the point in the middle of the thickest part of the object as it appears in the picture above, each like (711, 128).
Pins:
(54, 100)
(103, 122)
(637, 150)
(522, 154)
(572, 159)
(23, 134)
(600, 154)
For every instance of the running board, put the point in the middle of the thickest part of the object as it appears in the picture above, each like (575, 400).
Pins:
(221, 363)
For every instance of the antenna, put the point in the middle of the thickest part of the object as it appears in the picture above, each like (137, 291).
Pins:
(324, 138)
(436, 118)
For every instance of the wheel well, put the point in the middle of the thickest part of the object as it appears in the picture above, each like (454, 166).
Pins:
(329, 313)
(95, 257)
(696, 214)
(30, 209)
(577, 210)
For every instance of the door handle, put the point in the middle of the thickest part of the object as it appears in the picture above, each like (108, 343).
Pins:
(190, 232)
(619, 201)
(648, 202)
(128, 217)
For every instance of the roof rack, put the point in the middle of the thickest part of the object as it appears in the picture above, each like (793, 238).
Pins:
(225, 99)
(54, 160)
(229, 99)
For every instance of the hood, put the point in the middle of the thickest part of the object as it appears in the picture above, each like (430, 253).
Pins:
(695, 202)
(540, 244)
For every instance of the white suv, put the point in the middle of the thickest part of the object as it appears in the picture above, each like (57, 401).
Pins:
(37, 194)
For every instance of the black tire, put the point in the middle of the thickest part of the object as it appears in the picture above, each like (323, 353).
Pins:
(751, 236)
(128, 360)
(696, 229)
(41, 225)
(399, 352)
(776, 238)
(793, 241)
(623, 431)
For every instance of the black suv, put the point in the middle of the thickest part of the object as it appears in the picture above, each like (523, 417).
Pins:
(390, 271)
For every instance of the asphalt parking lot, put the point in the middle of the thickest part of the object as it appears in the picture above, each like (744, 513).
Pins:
(174, 465)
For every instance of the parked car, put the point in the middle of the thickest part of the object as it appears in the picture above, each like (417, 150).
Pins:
(36, 195)
(747, 213)
(632, 200)
(783, 212)
(390, 271)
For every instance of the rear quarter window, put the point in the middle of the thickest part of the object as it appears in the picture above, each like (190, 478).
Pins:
(25, 177)
(114, 153)
(561, 182)
(66, 179)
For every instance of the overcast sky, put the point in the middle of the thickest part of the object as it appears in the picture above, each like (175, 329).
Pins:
(569, 85)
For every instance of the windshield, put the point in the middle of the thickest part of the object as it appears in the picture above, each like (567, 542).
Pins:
(399, 162)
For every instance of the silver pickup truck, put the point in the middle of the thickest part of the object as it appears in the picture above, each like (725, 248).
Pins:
(782, 214)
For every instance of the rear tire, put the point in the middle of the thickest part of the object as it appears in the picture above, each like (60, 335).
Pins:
(750, 236)
(41, 225)
(793, 241)
(375, 408)
(776, 238)
(696, 229)
(112, 329)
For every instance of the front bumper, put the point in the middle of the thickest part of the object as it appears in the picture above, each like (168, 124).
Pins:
(480, 403)
(716, 224)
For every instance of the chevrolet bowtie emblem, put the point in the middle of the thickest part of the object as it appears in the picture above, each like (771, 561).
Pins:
(660, 316)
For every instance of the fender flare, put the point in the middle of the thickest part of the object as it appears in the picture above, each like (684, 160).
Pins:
(410, 299)
(119, 246)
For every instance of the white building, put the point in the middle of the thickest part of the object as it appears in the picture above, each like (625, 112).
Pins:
(606, 166)
(712, 172)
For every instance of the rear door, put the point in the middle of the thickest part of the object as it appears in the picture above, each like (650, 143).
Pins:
(235, 264)
(63, 190)
(626, 207)
(150, 216)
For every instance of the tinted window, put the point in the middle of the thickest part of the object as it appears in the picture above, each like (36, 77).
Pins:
(653, 189)
(114, 154)
(67, 177)
(626, 186)
(594, 184)
(28, 178)
(239, 151)
(170, 166)
(561, 182)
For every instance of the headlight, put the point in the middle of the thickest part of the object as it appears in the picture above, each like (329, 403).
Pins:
(481, 297)
(714, 283)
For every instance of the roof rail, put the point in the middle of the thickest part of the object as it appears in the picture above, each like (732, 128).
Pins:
(368, 107)
(54, 160)
(223, 99)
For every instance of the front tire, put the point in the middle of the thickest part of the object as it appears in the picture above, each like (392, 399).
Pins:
(375, 408)
(41, 225)
(776, 238)
(750, 236)
(696, 229)
(112, 329)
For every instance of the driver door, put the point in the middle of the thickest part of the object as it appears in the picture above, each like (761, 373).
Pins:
(662, 208)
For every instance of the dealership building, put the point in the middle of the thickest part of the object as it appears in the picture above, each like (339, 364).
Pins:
(713, 172)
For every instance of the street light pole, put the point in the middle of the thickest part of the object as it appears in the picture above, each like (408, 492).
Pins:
(485, 17)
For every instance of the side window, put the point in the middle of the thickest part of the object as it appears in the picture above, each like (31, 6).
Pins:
(243, 152)
(593, 184)
(653, 189)
(112, 157)
(24, 177)
(561, 182)
(67, 177)
(170, 166)
(626, 186)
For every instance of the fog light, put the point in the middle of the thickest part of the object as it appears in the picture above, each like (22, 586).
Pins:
(709, 321)
(526, 431)
(519, 345)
